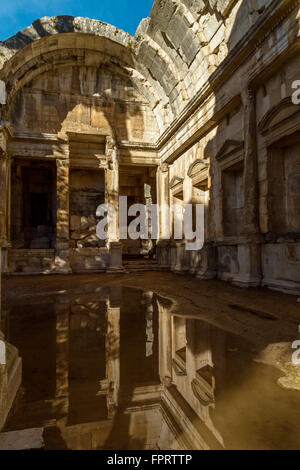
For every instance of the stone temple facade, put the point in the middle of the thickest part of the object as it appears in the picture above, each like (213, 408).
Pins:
(196, 108)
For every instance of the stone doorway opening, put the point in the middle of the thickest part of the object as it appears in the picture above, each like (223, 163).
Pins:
(139, 185)
(34, 205)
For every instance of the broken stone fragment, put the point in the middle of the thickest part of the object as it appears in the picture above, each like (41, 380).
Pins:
(84, 223)
(75, 222)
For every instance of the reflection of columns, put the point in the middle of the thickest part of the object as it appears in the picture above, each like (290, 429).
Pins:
(147, 300)
(62, 218)
(165, 344)
(113, 358)
(62, 310)
(163, 199)
(112, 198)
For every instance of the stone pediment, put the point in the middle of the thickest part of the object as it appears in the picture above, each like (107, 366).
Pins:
(197, 167)
(229, 148)
(279, 115)
(176, 182)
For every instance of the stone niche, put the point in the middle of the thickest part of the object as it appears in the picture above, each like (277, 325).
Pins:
(87, 192)
(281, 253)
(233, 200)
(284, 188)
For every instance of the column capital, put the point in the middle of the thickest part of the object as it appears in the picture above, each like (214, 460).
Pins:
(6, 131)
(164, 167)
(111, 152)
(62, 163)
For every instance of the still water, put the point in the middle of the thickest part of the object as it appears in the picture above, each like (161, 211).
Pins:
(112, 368)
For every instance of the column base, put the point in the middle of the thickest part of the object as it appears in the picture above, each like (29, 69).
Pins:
(62, 262)
(115, 258)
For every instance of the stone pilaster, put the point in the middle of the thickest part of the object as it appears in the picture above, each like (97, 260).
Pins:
(112, 198)
(249, 253)
(163, 199)
(62, 264)
(5, 163)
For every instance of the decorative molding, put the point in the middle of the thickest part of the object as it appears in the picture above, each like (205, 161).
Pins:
(179, 369)
(198, 165)
(203, 392)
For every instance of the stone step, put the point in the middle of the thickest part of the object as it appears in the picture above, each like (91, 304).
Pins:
(144, 267)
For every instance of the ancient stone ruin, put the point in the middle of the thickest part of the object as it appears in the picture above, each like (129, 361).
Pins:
(198, 107)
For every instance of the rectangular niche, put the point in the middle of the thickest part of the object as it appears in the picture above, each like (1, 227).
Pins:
(284, 187)
(87, 192)
(233, 199)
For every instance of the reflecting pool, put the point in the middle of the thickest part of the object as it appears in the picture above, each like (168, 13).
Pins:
(114, 368)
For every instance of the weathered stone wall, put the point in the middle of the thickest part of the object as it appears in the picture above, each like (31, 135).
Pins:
(94, 99)
(203, 91)
(245, 129)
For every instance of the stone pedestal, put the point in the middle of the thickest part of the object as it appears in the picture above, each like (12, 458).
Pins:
(163, 253)
(182, 258)
(206, 266)
(115, 257)
(249, 259)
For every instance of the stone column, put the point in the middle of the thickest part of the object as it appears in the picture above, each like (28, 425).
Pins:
(250, 253)
(4, 204)
(62, 264)
(112, 198)
(163, 198)
(2, 217)
(10, 373)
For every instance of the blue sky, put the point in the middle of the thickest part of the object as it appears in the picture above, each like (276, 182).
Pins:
(16, 15)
